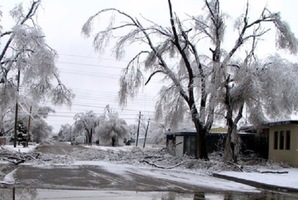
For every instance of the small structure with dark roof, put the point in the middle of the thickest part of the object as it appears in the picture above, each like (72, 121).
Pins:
(180, 143)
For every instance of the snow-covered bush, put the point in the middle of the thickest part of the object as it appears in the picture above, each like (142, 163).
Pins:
(112, 130)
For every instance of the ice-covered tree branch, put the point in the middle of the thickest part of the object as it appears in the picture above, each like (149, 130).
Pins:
(26, 54)
(200, 85)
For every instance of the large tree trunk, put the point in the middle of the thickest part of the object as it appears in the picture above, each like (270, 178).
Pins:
(201, 147)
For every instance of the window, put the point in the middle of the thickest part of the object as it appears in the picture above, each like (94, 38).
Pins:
(281, 140)
(275, 139)
(288, 140)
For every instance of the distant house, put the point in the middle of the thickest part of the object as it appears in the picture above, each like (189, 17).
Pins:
(283, 141)
(180, 143)
(276, 141)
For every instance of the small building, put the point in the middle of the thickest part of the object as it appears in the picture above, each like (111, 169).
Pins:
(180, 143)
(276, 141)
(283, 141)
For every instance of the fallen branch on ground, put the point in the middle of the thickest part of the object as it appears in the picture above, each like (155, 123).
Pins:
(157, 166)
(16, 157)
(236, 166)
(14, 160)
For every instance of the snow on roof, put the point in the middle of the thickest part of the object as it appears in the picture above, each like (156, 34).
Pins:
(285, 122)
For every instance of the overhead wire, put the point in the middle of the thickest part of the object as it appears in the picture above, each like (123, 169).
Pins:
(91, 57)
(97, 100)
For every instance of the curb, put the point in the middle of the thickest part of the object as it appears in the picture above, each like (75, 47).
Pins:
(256, 184)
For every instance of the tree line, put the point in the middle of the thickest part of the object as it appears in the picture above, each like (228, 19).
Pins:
(107, 129)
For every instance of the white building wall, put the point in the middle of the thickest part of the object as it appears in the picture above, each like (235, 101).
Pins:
(179, 145)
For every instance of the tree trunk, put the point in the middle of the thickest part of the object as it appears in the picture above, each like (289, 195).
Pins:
(1, 123)
(91, 134)
(201, 147)
(232, 146)
(113, 142)
(228, 152)
(88, 137)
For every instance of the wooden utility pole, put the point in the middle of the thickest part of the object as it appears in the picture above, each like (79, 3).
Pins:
(28, 129)
(146, 133)
(17, 110)
(138, 130)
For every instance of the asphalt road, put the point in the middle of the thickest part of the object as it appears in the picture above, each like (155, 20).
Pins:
(99, 182)
(90, 177)
(58, 148)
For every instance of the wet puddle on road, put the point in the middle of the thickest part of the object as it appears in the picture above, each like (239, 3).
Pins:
(55, 194)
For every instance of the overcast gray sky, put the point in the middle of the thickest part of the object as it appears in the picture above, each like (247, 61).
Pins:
(94, 77)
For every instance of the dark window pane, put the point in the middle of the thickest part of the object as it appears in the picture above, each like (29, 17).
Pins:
(275, 142)
(288, 140)
(281, 140)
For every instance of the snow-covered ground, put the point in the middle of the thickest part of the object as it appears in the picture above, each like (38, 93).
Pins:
(192, 177)
(155, 162)
(20, 149)
(282, 180)
(287, 178)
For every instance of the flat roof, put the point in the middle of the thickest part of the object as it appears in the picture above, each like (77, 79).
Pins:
(284, 122)
(182, 133)
(187, 133)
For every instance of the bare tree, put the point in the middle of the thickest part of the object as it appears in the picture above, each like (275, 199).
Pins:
(247, 82)
(25, 54)
(265, 90)
(201, 84)
(171, 53)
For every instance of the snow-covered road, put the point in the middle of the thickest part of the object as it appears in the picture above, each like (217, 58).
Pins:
(62, 166)
(105, 175)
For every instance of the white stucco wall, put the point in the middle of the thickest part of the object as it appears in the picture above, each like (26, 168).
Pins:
(179, 145)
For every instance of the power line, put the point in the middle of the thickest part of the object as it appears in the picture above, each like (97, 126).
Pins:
(91, 57)
(96, 100)
(98, 74)
(90, 74)
(90, 65)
